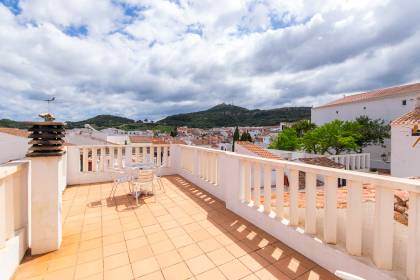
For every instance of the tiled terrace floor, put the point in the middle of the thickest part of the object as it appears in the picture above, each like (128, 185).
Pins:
(184, 234)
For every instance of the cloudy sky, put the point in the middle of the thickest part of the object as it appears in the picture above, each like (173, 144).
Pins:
(151, 58)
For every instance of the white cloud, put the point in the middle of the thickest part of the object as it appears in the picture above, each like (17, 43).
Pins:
(149, 58)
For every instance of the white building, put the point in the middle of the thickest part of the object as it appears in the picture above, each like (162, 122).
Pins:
(405, 153)
(13, 143)
(387, 104)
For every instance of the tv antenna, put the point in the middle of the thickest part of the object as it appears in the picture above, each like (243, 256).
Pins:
(49, 100)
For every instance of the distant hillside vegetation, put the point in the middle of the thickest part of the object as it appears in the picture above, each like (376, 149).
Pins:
(103, 121)
(13, 124)
(230, 115)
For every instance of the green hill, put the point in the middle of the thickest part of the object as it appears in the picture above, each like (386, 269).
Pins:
(103, 121)
(230, 115)
(13, 124)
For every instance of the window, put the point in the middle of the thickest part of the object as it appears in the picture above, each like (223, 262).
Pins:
(404, 102)
(336, 112)
(364, 108)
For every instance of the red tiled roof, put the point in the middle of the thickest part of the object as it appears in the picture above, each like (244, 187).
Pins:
(411, 118)
(140, 139)
(15, 132)
(375, 94)
(322, 161)
(257, 150)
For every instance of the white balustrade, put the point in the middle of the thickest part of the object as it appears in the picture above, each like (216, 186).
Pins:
(353, 161)
(254, 177)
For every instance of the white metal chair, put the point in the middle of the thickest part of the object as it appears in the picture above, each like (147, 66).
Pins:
(144, 183)
(120, 176)
(158, 176)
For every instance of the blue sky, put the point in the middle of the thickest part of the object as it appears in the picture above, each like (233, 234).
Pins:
(150, 58)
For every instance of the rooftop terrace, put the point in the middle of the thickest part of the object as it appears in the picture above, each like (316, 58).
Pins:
(186, 234)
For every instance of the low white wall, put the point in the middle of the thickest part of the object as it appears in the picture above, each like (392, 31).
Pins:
(15, 189)
(405, 158)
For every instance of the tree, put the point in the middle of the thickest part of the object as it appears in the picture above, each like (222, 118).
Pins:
(286, 140)
(334, 137)
(246, 136)
(303, 126)
(174, 132)
(373, 132)
(236, 137)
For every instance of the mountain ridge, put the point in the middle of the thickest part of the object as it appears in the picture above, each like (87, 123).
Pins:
(221, 115)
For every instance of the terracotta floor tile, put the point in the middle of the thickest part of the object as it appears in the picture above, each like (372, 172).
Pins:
(162, 247)
(90, 255)
(61, 263)
(63, 274)
(174, 232)
(113, 238)
(199, 235)
(253, 261)
(152, 276)
(291, 267)
(116, 260)
(144, 267)
(238, 249)
(190, 251)
(251, 277)
(271, 273)
(272, 253)
(209, 245)
(114, 249)
(134, 233)
(140, 253)
(178, 271)
(234, 270)
(89, 268)
(213, 274)
(90, 244)
(199, 264)
(156, 237)
(98, 276)
(137, 242)
(182, 240)
(168, 259)
(120, 273)
(220, 256)
(317, 273)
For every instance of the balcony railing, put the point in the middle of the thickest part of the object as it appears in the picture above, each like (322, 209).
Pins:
(362, 231)
(360, 162)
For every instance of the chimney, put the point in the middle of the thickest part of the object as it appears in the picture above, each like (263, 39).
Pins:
(47, 139)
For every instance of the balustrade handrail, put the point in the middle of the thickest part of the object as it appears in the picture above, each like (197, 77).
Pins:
(393, 183)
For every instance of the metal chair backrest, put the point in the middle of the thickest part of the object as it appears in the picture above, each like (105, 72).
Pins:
(145, 176)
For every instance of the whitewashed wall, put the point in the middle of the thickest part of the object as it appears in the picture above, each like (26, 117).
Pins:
(386, 108)
(405, 158)
(12, 147)
(15, 187)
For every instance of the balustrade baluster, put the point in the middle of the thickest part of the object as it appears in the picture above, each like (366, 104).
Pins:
(85, 156)
(247, 181)
(280, 192)
(257, 184)
(94, 159)
(330, 210)
(354, 216)
(383, 228)
(310, 203)
(293, 196)
(267, 188)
